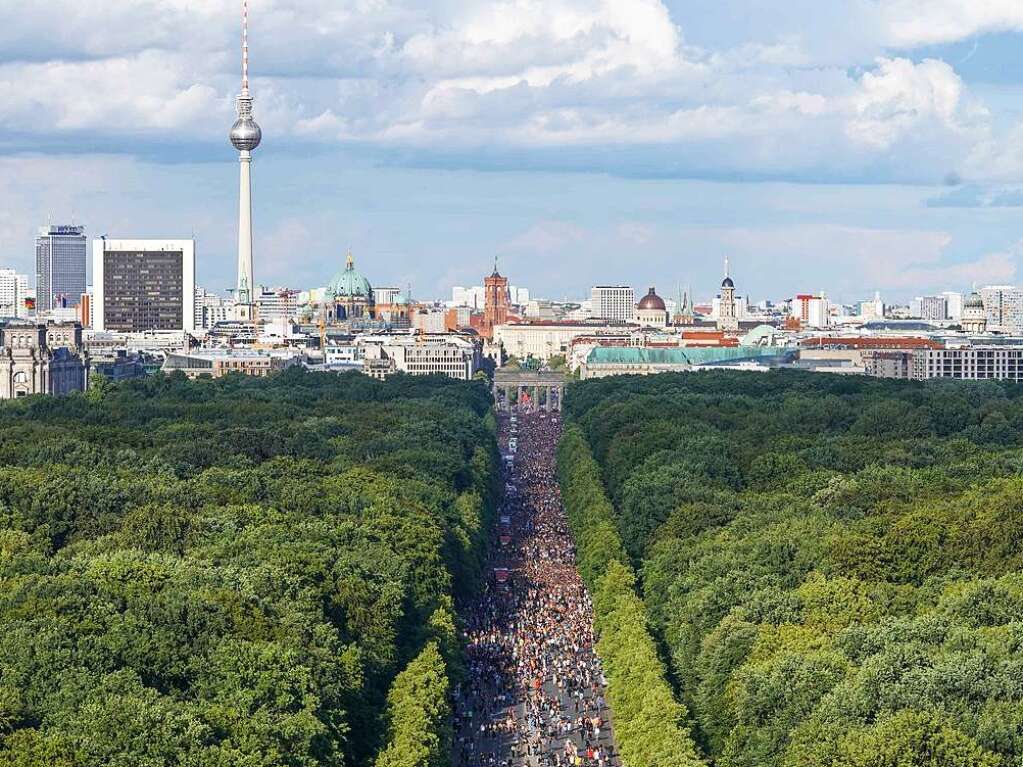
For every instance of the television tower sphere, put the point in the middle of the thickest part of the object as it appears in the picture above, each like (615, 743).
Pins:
(246, 134)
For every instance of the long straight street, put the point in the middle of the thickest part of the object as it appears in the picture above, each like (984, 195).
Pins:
(535, 695)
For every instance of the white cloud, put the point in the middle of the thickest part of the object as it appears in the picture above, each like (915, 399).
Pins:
(149, 91)
(911, 23)
(458, 75)
(901, 97)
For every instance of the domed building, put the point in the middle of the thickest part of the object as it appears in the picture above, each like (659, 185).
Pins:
(651, 311)
(349, 295)
(974, 317)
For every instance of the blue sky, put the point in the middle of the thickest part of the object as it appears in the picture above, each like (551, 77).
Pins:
(839, 145)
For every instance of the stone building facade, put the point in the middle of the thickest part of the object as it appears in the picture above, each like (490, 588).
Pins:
(42, 359)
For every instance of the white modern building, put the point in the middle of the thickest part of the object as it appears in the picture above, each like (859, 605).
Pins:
(1004, 307)
(933, 308)
(518, 296)
(276, 303)
(612, 302)
(13, 292)
(474, 297)
(211, 309)
(143, 285)
(953, 304)
(812, 311)
(386, 295)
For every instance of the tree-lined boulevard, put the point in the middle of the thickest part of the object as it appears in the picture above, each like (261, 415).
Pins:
(535, 691)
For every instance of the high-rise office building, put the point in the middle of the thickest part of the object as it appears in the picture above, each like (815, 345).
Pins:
(953, 304)
(474, 297)
(613, 302)
(211, 309)
(276, 303)
(143, 285)
(13, 292)
(61, 255)
(933, 308)
(812, 311)
(1004, 307)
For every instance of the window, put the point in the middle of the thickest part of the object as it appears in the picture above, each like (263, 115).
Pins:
(21, 377)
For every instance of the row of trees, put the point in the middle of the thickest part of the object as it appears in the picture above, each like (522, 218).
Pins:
(238, 572)
(651, 727)
(834, 564)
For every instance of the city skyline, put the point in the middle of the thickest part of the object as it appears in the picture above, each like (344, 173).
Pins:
(910, 185)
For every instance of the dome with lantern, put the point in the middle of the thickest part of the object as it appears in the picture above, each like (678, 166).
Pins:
(349, 294)
(651, 311)
(974, 316)
(349, 283)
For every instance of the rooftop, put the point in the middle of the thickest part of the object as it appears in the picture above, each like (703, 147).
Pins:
(618, 355)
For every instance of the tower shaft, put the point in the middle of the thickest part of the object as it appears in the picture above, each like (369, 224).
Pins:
(245, 279)
(245, 137)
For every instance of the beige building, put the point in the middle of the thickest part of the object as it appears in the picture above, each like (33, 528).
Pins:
(543, 340)
(42, 359)
(972, 363)
(215, 364)
(651, 311)
(421, 354)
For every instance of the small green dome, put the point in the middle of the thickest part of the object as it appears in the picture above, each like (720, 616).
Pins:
(349, 283)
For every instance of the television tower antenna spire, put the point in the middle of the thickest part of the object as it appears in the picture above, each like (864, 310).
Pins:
(245, 47)
(246, 135)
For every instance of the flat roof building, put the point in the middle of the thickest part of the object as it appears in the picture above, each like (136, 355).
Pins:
(613, 302)
(143, 285)
(61, 255)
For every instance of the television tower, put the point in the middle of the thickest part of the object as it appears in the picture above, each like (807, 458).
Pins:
(245, 136)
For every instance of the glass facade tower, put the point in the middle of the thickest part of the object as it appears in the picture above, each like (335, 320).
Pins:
(61, 253)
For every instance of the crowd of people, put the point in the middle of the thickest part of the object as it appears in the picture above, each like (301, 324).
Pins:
(534, 695)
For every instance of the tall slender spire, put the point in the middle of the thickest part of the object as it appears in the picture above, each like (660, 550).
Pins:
(246, 135)
(245, 47)
(726, 266)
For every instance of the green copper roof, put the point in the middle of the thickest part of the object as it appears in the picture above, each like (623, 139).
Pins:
(759, 334)
(631, 355)
(349, 283)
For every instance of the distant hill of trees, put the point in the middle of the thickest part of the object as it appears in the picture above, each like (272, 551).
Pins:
(834, 564)
(241, 572)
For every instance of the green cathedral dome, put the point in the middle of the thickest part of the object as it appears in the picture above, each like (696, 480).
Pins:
(349, 283)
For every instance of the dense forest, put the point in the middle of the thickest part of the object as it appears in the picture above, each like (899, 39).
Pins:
(832, 564)
(238, 573)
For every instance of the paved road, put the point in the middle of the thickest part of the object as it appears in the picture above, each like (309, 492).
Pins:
(535, 695)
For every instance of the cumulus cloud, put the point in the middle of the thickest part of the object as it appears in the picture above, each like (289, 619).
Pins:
(910, 23)
(508, 75)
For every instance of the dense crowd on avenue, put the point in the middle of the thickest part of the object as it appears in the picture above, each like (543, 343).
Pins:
(534, 695)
